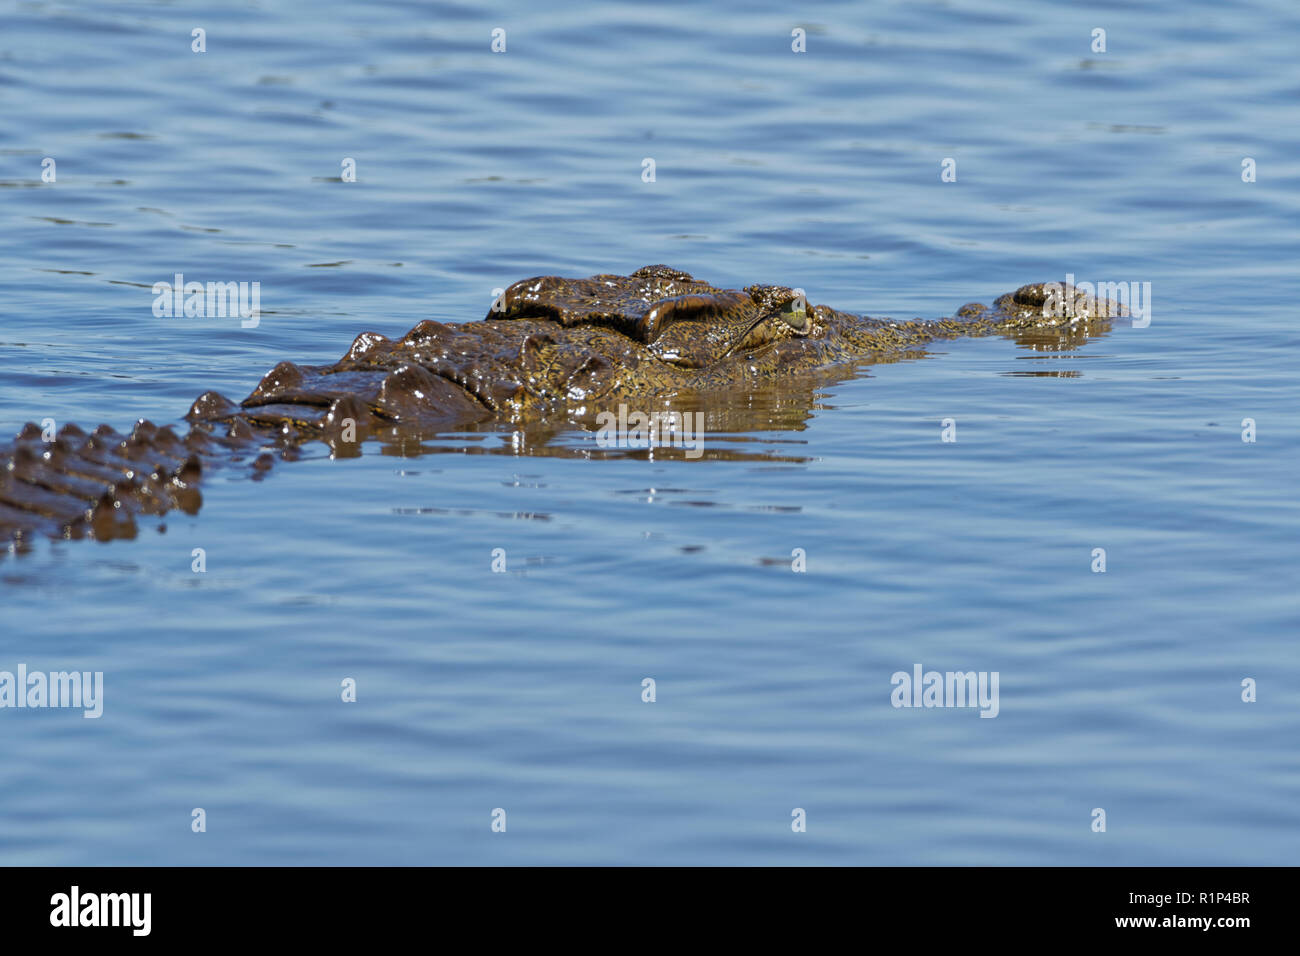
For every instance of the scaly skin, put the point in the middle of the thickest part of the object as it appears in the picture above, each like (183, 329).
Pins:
(552, 350)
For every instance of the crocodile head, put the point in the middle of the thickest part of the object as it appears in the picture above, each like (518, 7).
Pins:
(660, 330)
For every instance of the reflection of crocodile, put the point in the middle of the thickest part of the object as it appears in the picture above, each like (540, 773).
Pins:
(552, 350)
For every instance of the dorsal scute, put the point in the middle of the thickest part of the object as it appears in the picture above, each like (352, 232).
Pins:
(662, 272)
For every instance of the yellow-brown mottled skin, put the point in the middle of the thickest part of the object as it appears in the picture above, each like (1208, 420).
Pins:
(552, 349)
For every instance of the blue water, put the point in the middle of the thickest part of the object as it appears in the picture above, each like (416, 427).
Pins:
(522, 690)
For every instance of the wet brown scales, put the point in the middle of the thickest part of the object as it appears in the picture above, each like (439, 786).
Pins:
(552, 349)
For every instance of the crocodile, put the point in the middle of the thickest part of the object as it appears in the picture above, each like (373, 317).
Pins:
(550, 349)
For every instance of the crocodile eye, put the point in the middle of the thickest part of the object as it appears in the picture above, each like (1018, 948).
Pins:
(795, 314)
